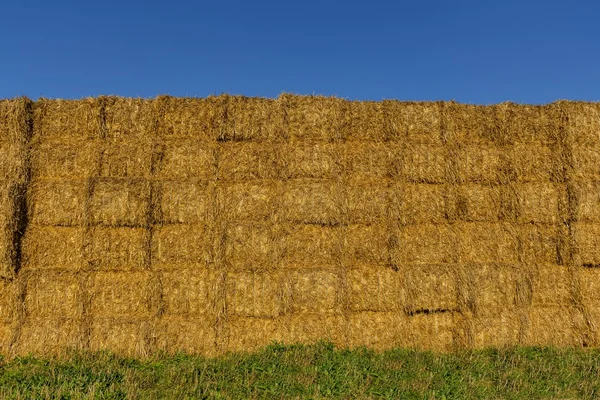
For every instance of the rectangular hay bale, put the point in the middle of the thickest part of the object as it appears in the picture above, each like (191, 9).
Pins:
(587, 243)
(552, 326)
(53, 293)
(254, 201)
(588, 201)
(127, 118)
(248, 161)
(533, 162)
(186, 202)
(184, 158)
(196, 335)
(552, 286)
(313, 328)
(252, 246)
(498, 328)
(249, 334)
(478, 203)
(367, 201)
(313, 117)
(314, 292)
(433, 332)
(426, 244)
(423, 163)
(538, 202)
(75, 119)
(118, 249)
(583, 126)
(113, 294)
(364, 121)
(252, 119)
(378, 330)
(415, 122)
(182, 244)
(124, 337)
(53, 247)
(488, 243)
(485, 164)
(367, 245)
(49, 336)
(255, 294)
(202, 118)
(311, 246)
(308, 159)
(416, 203)
(539, 243)
(129, 158)
(430, 288)
(120, 202)
(188, 292)
(586, 161)
(65, 158)
(312, 202)
(370, 160)
(59, 203)
(494, 287)
(375, 289)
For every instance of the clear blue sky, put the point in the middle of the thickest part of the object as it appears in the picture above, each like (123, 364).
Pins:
(470, 51)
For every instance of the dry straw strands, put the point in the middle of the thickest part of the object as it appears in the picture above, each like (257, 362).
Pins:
(225, 223)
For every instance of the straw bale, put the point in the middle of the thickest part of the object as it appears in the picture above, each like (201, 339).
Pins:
(378, 330)
(430, 288)
(589, 287)
(367, 201)
(182, 244)
(475, 202)
(314, 291)
(250, 334)
(248, 161)
(120, 202)
(583, 122)
(118, 248)
(498, 328)
(122, 336)
(415, 122)
(188, 292)
(49, 336)
(371, 160)
(586, 161)
(494, 287)
(191, 335)
(312, 328)
(252, 246)
(74, 119)
(113, 294)
(255, 294)
(432, 331)
(11, 161)
(312, 202)
(185, 202)
(552, 286)
(53, 247)
(419, 203)
(252, 119)
(57, 202)
(426, 244)
(375, 289)
(423, 163)
(487, 242)
(588, 201)
(313, 117)
(539, 243)
(316, 160)
(485, 164)
(466, 123)
(53, 293)
(127, 118)
(538, 202)
(6, 334)
(533, 162)
(255, 201)
(531, 124)
(191, 117)
(127, 158)
(65, 159)
(311, 246)
(366, 245)
(587, 242)
(552, 326)
(187, 158)
(364, 120)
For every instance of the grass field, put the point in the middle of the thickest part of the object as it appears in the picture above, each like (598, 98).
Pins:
(316, 371)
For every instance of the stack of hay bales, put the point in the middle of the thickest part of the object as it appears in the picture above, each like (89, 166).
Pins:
(225, 223)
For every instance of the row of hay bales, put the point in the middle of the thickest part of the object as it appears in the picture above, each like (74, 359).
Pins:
(225, 223)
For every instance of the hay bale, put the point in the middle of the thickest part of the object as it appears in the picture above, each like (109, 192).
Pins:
(50, 336)
(57, 202)
(8, 313)
(587, 243)
(586, 162)
(485, 164)
(474, 203)
(538, 202)
(253, 119)
(113, 295)
(539, 243)
(127, 158)
(416, 203)
(552, 286)
(313, 117)
(185, 202)
(310, 246)
(11, 160)
(583, 126)
(203, 119)
(364, 121)
(471, 124)
(308, 159)
(426, 244)
(430, 288)
(249, 334)
(553, 326)
(499, 327)
(180, 245)
(185, 158)
(248, 161)
(530, 124)
(118, 249)
(120, 202)
(488, 242)
(423, 163)
(188, 292)
(312, 328)
(307, 201)
(252, 246)
(53, 247)
(53, 293)
(378, 330)
(186, 334)
(127, 337)
(64, 159)
(255, 294)
(371, 160)
(243, 201)
(435, 332)
(588, 201)
(314, 291)
(495, 287)
(366, 245)
(125, 118)
(367, 201)
(588, 280)
(414, 122)
(77, 120)
(533, 162)
(375, 289)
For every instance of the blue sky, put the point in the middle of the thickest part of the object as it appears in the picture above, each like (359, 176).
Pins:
(471, 51)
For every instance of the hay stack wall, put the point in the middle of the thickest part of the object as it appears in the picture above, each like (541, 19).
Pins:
(226, 223)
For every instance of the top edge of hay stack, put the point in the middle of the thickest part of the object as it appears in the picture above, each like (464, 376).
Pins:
(225, 223)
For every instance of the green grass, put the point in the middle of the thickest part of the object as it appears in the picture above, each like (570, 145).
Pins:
(318, 371)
